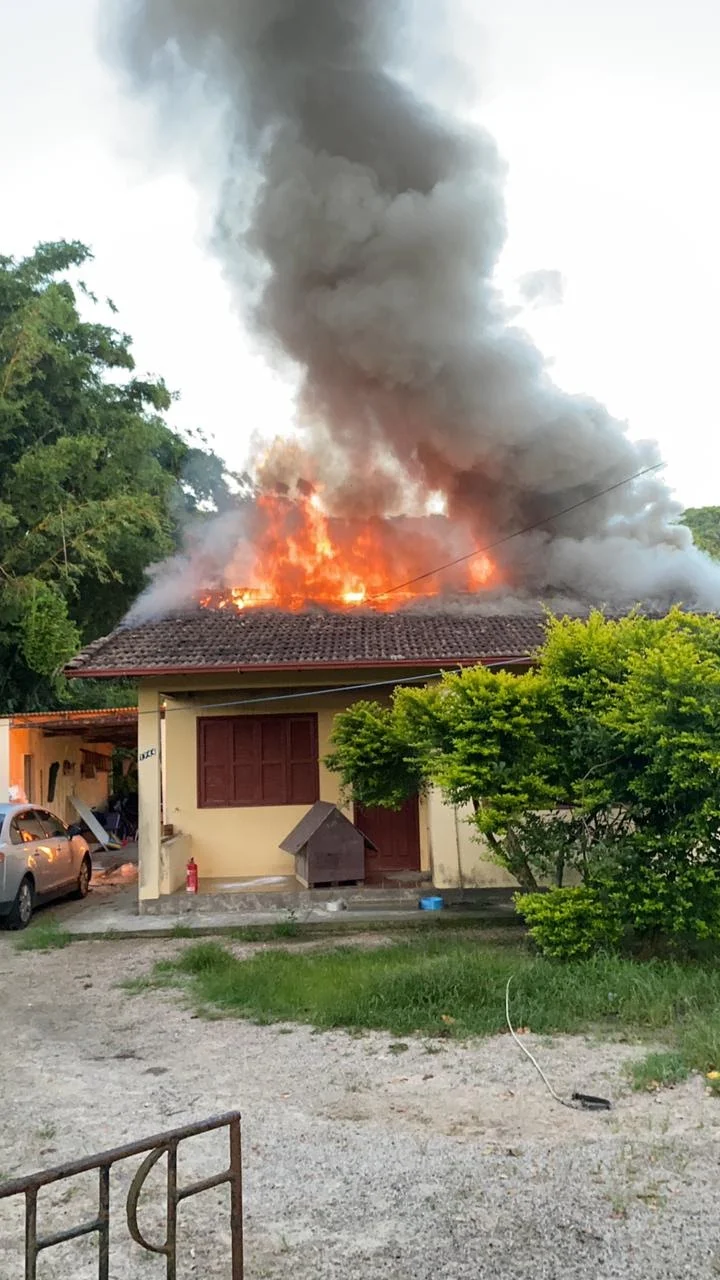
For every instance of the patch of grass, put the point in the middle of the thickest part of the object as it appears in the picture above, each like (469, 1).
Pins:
(504, 931)
(163, 975)
(206, 959)
(450, 986)
(659, 1070)
(286, 929)
(134, 986)
(699, 1037)
(44, 935)
(249, 933)
(181, 930)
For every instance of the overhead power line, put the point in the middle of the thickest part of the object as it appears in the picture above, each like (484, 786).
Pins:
(426, 677)
(499, 542)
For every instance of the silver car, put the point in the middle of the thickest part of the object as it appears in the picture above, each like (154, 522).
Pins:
(39, 860)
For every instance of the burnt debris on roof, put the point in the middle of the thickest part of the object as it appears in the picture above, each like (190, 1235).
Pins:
(219, 640)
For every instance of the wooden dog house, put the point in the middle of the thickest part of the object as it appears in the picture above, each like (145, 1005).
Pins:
(327, 847)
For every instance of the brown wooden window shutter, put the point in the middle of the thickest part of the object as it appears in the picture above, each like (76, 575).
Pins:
(244, 773)
(257, 760)
(214, 763)
(302, 760)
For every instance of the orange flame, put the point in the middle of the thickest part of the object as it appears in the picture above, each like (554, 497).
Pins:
(302, 556)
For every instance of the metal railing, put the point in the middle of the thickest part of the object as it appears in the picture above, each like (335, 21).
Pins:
(164, 1144)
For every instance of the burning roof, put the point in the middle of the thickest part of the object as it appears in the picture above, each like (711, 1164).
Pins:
(283, 550)
(272, 640)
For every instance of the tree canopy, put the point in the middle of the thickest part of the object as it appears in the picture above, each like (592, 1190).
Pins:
(704, 524)
(605, 757)
(93, 483)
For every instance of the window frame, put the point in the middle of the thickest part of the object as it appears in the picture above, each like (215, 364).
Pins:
(286, 719)
(30, 813)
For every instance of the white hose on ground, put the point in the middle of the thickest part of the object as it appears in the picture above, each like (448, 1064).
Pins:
(564, 1102)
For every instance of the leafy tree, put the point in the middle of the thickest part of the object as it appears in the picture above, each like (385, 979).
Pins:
(93, 484)
(480, 736)
(635, 707)
(606, 757)
(704, 524)
(495, 754)
(584, 662)
(666, 714)
(377, 766)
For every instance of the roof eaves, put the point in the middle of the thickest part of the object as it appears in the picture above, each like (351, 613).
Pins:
(67, 717)
(374, 664)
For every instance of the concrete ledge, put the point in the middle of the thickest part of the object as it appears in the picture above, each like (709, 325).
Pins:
(302, 900)
(174, 854)
(116, 926)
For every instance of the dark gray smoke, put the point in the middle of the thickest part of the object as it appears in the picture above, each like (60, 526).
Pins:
(363, 230)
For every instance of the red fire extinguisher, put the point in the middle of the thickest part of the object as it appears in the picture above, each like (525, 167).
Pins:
(191, 877)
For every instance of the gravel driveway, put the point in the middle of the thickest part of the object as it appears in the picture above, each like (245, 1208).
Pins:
(363, 1158)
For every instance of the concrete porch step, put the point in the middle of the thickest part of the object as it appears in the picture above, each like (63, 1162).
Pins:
(301, 901)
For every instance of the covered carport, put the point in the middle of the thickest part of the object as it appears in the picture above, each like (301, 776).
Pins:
(51, 758)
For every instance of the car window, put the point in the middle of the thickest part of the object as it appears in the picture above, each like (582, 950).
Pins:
(27, 827)
(53, 826)
(14, 832)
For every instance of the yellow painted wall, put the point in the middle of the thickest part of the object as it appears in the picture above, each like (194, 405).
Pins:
(92, 791)
(174, 857)
(230, 843)
(460, 859)
(150, 736)
(237, 843)
(425, 840)
(244, 842)
(4, 760)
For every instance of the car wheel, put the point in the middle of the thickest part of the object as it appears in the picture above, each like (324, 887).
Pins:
(83, 882)
(22, 908)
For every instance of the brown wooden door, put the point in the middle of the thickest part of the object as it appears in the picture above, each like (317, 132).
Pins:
(396, 833)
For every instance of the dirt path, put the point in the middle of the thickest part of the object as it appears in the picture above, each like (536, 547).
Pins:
(362, 1158)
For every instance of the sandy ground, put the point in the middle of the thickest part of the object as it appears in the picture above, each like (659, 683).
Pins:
(363, 1157)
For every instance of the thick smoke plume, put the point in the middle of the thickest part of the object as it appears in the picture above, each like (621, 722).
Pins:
(364, 228)
(542, 288)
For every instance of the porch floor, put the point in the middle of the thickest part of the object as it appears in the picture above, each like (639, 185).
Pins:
(290, 884)
(254, 884)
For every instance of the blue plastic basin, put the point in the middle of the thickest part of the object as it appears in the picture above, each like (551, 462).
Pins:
(431, 904)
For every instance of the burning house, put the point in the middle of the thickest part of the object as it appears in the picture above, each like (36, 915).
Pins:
(249, 698)
(438, 485)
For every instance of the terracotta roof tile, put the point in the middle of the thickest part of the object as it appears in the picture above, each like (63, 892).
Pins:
(219, 640)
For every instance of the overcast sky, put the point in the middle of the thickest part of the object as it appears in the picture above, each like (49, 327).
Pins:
(608, 117)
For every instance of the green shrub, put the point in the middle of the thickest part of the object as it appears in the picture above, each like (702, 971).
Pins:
(650, 907)
(568, 924)
(673, 906)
